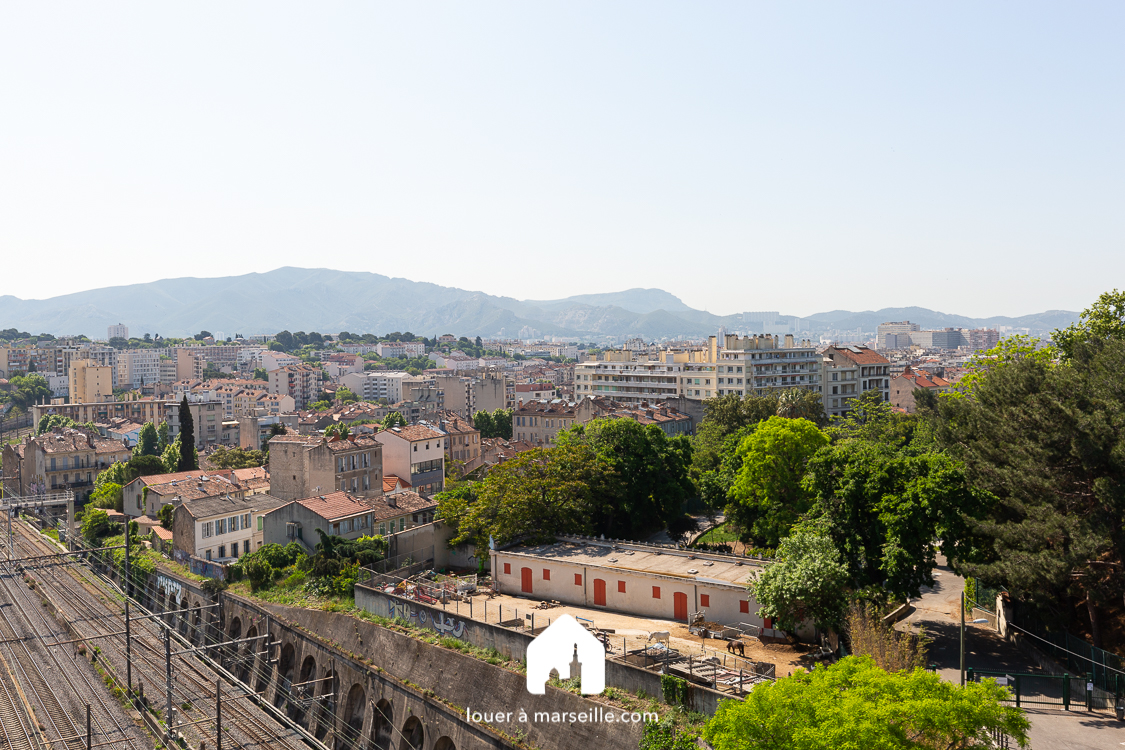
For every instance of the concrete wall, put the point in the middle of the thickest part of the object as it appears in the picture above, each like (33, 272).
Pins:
(513, 643)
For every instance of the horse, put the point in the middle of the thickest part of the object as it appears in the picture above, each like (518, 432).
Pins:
(736, 645)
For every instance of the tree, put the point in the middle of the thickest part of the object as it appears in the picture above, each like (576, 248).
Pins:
(884, 508)
(108, 496)
(143, 466)
(188, 460)
(502, 423)
(27, 390)
(800, 403)
(285, 339)
(392, 420)
(235, 458)
(49, 422)
(1101, 322)
(203, 335)
(732, 412)
(651, 469)
(340, 429)
(482, 421)
(148, 442)
(808, 581)
(1046, 440)
(167, 514)
(538, 494)
(261, 374)
(479, 343)
(854, 704)
(345, 395)
(767, 497)
(162, 436)
(95, 525)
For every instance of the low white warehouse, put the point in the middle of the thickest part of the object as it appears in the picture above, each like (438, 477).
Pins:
(639, 579)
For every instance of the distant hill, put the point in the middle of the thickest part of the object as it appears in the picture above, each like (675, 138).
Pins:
(318, 299)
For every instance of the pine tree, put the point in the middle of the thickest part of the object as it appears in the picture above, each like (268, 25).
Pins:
(187, 438)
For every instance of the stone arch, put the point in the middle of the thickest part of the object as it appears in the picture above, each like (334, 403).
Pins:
(245, 655)
(382, 726)
(413, 734)
(303, 692)
(182, 621)
(263, 670)
(196, 623)
(284, 674)
(351, 728)
(444, 743)
(234, 632)
(325, 717)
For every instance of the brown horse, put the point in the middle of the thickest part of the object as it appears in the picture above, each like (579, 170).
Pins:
(738, 646)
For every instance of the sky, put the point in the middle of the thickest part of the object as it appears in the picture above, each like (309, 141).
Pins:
(801, 157)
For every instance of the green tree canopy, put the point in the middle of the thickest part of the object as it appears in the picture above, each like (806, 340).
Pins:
(1100, 323)
(768, 496)
(854, 704)
(148, 442)
(235, 458)
(345, 395)
(189, 460)
(651, 469)
(392, 420)
(108, 496)
(807, 582)
(482, 421)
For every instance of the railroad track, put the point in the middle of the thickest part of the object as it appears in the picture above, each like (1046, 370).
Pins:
(16, 726)
(95, 608)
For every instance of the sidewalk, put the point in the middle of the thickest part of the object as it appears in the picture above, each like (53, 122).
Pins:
(938, 611)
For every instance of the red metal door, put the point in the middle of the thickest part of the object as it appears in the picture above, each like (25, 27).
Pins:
(599, 592)
(679, 600)
(525, 580)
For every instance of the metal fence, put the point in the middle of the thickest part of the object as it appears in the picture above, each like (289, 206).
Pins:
(1068, 691)
(1106, 670)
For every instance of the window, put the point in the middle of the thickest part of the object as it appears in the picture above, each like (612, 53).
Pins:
(744, 607)
(260, 519)
(245, 520)
(222, 551)
(577, 579)
(655, 592)
(415, 447)
(621, 587)
(546, 574)
(208, 529)
(507, 568)
(704, 600)
(382, 529)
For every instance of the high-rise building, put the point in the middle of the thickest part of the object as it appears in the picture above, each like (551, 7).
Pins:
(904, 326)
(118, 331)
(90, 382)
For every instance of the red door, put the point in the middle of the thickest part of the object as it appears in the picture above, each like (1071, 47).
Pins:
(525, 580)
(679, 600)
(599, 592)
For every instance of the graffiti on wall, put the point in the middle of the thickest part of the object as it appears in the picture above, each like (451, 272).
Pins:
(439, 621)
(172, 588)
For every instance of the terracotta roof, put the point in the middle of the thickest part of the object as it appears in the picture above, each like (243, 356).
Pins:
(554, 406)
(214, 506)
(352, 443)
(334, 505)
(864, 356)
(164, 534)
(923, 379)
(391, 483)
(413, 432)
(75, 441)
(253, 472)
(393, 506)
(181, 476)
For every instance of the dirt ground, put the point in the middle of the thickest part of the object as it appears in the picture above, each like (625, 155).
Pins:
(634, 630)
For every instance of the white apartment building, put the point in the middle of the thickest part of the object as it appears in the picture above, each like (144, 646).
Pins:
(118, 331)
(138, 367)
(401, 349)
(628, 381)
(755, 365)
(894, 328)
(848, 372)
(374, 385)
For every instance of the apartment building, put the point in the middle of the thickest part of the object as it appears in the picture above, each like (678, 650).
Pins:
(307, 465)
(617, 375)
(301, 382)
(372, 386)
(189, 363)
(466, 395)
(899, 327)
(89, 382)
(462, 441)
(980, 339)
(538, 422)
(535, 392)
(207, 420)
(401, 349)
(145, 496)
(141, 410)
(850, 371)
(118, 331)
(138, 367)
(670, 421)
(64, 459)
(416, 454)
(757, 365)
(221, 528)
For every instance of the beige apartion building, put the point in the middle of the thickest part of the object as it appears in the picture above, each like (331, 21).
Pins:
(90, 382)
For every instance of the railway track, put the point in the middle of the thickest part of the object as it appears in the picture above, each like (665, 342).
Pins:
(95, 608)
(58, 688)
(16, 726)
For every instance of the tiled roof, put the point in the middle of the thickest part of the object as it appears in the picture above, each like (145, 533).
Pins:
(923, 379)
(554, 406)
(72, 441)
(253, 472)
(413, 432)
(352, 443)
(334, 505)
(864, 356)
(214, 506)
(393, 506)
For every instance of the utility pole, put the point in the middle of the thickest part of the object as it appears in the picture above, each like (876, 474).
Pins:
(962, 639)
(219, 713)
(168, 680)
(89, 732)
(128, 593)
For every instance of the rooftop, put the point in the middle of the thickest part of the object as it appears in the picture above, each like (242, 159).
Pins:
(334, 505)
(215, 506)
(648, 559)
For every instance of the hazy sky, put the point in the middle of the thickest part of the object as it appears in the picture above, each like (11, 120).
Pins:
(966, 157)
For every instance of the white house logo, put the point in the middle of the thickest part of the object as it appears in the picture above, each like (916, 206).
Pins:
(554, 649)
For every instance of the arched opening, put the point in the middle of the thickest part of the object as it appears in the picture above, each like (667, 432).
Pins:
(233, 634)
(284, 674)
(182, 622)
(351, 732)
(302, 693)
(246, 655)
(382, 726)
(196, 623)
(413, 734)
(444, 743)
(326, 704)
(263, 670)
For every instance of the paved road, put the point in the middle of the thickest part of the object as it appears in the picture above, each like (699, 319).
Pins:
(938, 611)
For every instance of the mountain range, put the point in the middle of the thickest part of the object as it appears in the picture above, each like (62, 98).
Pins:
(317, 299)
